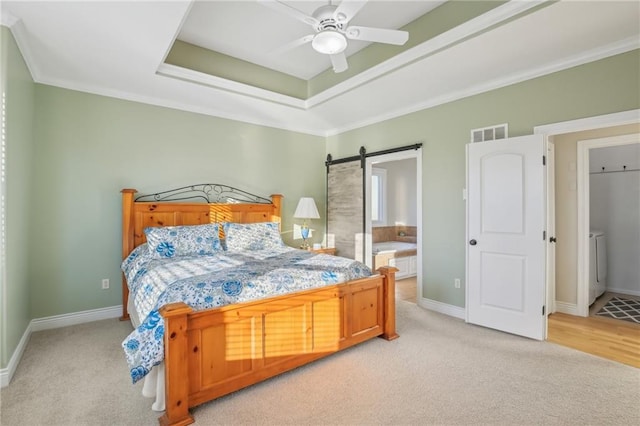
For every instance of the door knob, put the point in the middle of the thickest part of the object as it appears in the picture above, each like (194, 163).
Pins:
(552, 240)
(473, 242)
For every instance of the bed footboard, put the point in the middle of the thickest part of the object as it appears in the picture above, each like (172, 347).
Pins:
(215, 352)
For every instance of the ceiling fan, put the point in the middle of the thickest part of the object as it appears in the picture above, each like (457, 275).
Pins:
(330, 23)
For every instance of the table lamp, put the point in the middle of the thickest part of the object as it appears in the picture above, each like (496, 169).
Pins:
(306, 210)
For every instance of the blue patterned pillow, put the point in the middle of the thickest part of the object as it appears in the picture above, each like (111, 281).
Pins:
(252, 236)
(175, 241)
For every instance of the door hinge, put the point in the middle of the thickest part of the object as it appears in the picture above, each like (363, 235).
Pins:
(543, 310)
(544, 235)
(544, 160)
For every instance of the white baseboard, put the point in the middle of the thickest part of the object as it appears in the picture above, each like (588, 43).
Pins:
(623, 291)
(443, 308)
(567, 308)
(47, 323)
(6, 374)
(65, 320)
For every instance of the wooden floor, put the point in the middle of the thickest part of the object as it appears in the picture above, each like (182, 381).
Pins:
(406, 289)
(616, 340)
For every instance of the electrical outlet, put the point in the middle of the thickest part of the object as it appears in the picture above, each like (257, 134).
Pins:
(456, 283)
(105, 283)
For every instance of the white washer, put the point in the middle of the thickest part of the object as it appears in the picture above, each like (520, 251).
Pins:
(597, 265)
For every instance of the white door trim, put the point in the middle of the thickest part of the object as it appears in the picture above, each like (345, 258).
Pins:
(395, 156)
(571, 126)
(551, 228)
(589, 123)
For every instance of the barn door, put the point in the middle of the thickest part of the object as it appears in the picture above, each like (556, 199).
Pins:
(506, 235)
(345, 208)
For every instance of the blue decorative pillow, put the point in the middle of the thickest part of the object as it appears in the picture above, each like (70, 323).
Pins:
(175, 241)
(252, 236)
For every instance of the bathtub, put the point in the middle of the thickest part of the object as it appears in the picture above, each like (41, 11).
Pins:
(385, 247)
(399, 254)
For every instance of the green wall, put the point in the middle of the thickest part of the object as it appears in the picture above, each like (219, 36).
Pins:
(18, 93)
(89, 147)
(601, 87)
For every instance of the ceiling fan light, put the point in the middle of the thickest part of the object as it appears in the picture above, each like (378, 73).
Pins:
(329, 42)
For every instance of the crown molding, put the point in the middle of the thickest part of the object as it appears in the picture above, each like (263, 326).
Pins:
(191, 76)
(7, 19)
(17, 28)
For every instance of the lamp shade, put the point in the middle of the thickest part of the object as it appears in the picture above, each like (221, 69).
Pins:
(306, 209)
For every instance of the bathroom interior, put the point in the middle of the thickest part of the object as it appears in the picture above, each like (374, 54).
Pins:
(614, 237)
(394, 222)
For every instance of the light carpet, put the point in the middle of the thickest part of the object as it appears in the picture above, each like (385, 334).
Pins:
(440, 371)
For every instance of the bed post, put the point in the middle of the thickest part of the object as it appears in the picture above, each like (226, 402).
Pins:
(127, 242)
(276, 200)
(176, 371)
(389, 274)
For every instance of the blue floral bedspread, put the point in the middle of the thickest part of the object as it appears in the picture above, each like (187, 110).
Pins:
(220, 279)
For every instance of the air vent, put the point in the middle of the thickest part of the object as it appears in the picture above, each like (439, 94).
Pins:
(500, 131)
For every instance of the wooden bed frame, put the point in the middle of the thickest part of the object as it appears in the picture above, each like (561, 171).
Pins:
(217, 351)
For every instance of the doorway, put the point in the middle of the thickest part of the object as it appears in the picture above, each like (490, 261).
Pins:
(394, 218)
(570, 295)
(617, 225)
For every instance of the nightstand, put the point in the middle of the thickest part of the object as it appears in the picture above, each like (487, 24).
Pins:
(326, 250)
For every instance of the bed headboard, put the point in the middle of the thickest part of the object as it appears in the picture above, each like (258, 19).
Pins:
(215, 203)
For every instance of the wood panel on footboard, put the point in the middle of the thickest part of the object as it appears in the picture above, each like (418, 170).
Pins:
(211, 353)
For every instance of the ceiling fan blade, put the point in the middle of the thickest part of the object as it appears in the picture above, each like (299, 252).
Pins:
(293, 44)
(378, 35)
(339, 62)
(347, 10)
(291, 11)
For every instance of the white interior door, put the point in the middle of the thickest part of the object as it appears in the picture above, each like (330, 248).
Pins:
(506, 235)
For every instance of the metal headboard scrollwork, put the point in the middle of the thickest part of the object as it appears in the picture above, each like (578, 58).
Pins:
(209, 192)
